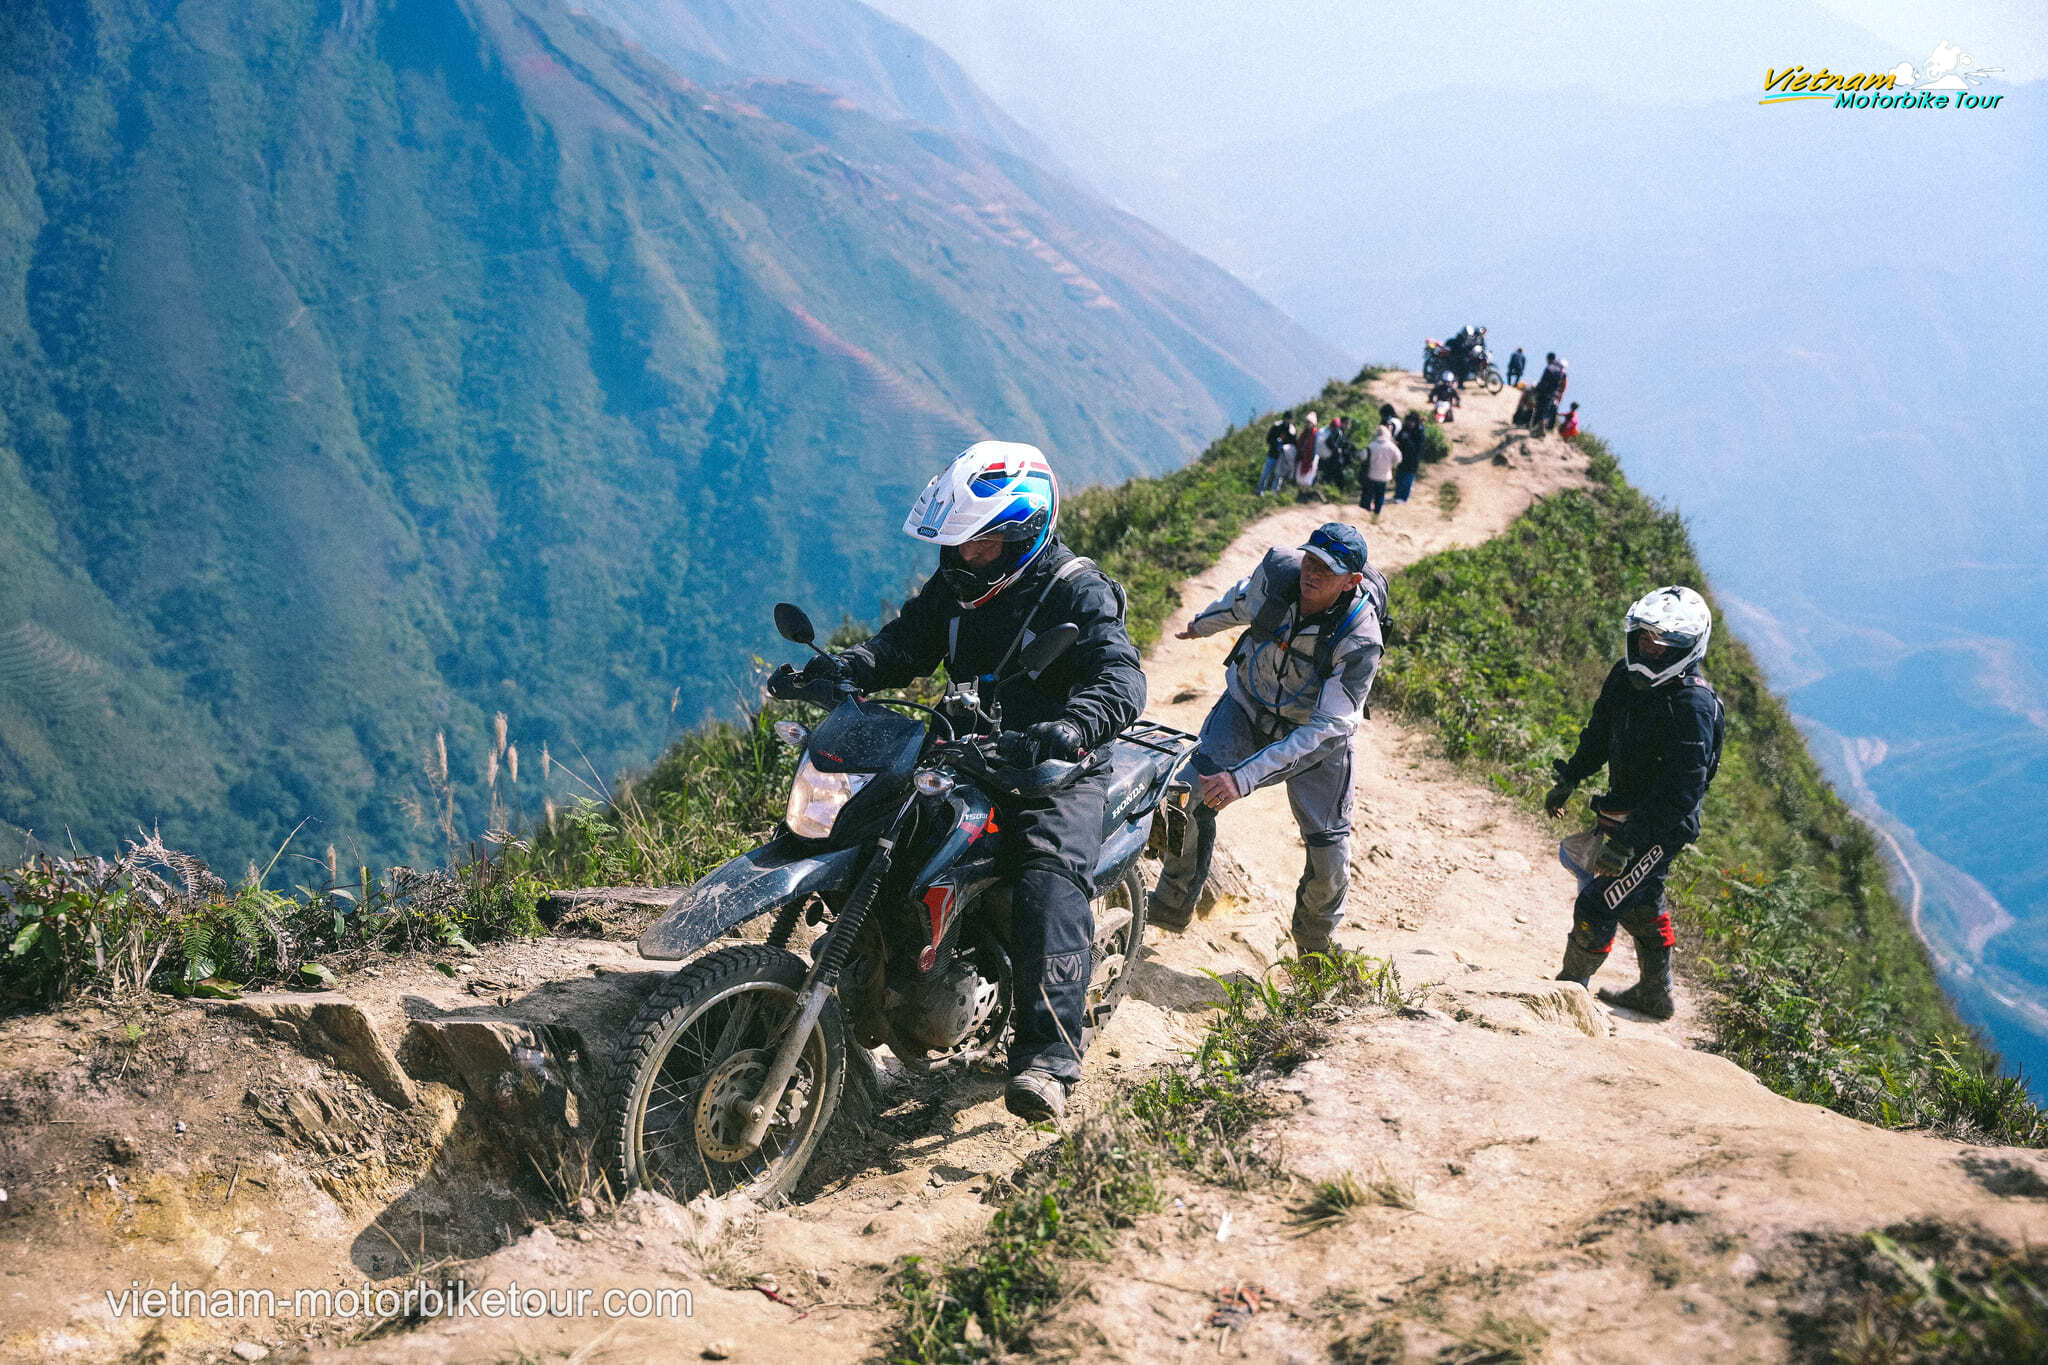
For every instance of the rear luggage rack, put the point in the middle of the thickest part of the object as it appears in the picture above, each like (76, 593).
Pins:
(1163, 739)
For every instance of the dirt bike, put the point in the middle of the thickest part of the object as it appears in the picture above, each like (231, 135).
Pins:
(733, 1069)
(1436, 360)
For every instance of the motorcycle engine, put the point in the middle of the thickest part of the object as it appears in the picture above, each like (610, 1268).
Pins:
(944, 1009)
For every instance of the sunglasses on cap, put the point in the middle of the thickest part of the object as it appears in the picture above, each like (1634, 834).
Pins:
(1347, 557)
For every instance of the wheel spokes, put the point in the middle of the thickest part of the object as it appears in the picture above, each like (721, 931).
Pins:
(670, 1157)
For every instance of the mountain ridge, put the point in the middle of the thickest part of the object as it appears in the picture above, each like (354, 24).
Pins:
(372, 372)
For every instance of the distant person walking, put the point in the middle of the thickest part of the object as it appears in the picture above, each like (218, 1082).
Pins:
(1410, 439)
(1294, 695)
(1516, 363)
(1335, 465)
(1309, 444)
(1657, 728)
(1279, 455)
(1380, 459)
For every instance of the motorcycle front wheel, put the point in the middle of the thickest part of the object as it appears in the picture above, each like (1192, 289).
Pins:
(1119, 933)
(698, 1051)
(1490, 377)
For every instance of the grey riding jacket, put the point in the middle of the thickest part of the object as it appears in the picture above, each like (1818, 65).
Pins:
(1275, 682)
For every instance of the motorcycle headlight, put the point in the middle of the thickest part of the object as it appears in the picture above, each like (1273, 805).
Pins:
(816, 798)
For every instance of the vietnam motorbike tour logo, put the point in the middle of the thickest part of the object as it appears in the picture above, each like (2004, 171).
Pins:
(1944, 81)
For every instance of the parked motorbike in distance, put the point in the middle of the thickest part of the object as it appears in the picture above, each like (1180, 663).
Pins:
(1436, 360)
(732, 1070)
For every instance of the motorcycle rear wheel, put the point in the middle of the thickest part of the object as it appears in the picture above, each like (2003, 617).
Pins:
(702, 1041)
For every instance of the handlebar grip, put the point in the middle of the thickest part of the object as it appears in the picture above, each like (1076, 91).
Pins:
(786, 684)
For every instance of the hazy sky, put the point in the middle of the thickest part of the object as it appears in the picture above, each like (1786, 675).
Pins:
(1132, 91)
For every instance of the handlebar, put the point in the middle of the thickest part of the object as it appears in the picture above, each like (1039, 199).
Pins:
(786, 684)
(993, 761)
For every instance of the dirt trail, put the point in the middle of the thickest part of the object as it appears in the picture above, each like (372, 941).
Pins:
(1561, 1158)
(1578, 1177)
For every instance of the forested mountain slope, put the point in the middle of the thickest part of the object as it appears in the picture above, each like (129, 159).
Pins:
(370, 369)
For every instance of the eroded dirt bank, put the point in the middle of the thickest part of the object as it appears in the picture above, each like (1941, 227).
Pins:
(1584, 1171)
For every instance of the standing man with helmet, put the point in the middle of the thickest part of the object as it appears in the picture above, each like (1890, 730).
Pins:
(1298, 681)
(1657, 727)
(1004, 577)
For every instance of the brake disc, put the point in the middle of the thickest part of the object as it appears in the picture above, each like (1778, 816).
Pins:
(729, 1090)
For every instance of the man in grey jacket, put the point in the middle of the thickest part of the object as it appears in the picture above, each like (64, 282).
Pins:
(1297, 686)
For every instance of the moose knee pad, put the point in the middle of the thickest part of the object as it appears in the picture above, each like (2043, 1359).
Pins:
(1650, 927)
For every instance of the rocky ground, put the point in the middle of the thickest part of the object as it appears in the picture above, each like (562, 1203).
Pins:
(1545, 1174)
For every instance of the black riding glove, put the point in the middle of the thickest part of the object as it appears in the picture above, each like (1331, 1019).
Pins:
(1615, 852)
(824, 668)
(1554, 799)
(1612, 857)
(1050, 739)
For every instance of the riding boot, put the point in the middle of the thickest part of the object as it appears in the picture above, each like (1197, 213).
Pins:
(1651, 995)
(1579, 965)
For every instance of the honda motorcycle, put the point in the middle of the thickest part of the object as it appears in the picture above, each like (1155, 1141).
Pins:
(730, 1074)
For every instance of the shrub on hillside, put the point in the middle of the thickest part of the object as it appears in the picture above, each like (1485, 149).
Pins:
(85, 926)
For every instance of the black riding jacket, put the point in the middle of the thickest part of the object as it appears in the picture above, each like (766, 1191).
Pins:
(1098, 684)
(1661, 746)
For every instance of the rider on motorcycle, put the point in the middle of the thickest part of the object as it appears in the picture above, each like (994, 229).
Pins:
(1444, 396)
(1003, 577)
(1468, 352)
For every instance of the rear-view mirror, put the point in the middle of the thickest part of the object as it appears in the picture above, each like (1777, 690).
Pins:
(1046, 647)
(792, 624)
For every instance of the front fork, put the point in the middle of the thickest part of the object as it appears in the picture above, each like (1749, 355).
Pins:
(834, 947)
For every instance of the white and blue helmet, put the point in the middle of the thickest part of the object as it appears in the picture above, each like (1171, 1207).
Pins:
(1667, 634)
(1004, 488)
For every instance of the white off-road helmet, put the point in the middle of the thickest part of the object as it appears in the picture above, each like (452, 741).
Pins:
(992, 487)
(1667, 634)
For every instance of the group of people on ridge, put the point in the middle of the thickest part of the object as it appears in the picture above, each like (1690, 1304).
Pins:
(1311, 622)
(1324, 452)
(1537, 407)
(1465, 355)
(1315, 451)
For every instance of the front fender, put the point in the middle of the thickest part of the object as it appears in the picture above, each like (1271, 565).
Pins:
(782, 870)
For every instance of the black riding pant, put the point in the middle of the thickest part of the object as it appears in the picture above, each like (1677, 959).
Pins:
(1048, 853)
(1634, 899)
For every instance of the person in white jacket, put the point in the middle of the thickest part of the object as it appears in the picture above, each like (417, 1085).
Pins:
(1380, 458)
(1296, 690)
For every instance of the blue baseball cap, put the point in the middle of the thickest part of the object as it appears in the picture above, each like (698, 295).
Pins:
(1340, 547)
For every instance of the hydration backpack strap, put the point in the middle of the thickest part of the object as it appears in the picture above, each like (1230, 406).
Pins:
(1066, 570)
(1281, 596)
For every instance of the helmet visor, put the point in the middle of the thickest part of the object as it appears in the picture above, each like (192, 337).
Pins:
(976, 568)
(1654, 657)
